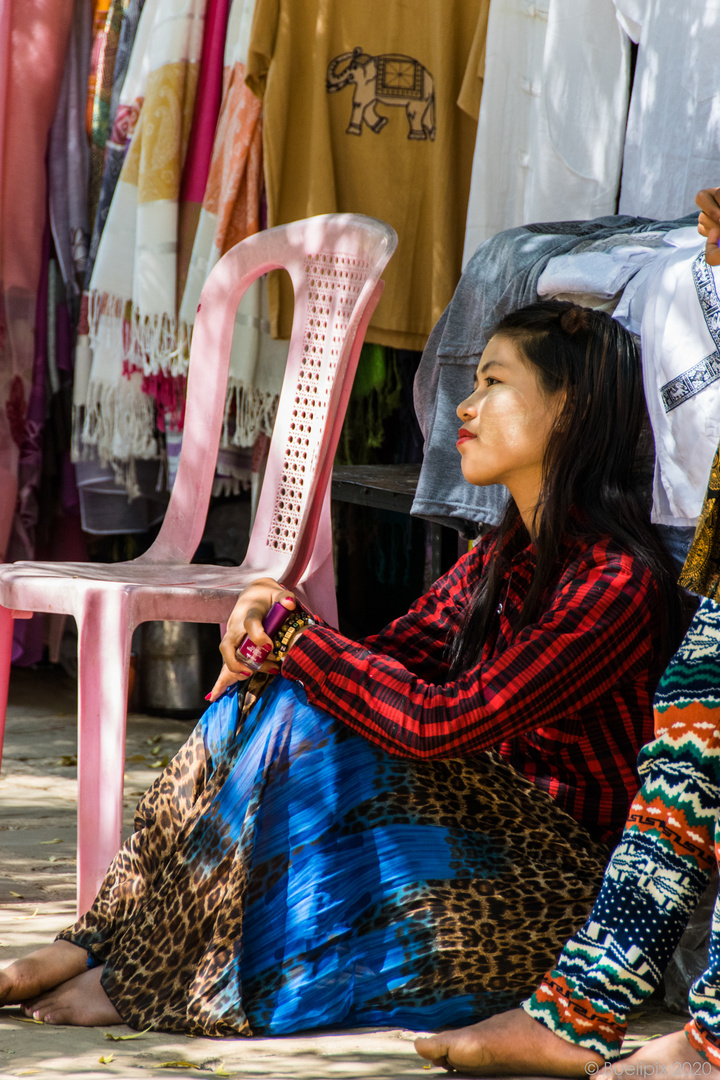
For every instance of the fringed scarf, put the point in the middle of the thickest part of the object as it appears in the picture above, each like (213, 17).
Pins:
(231, 211)
(131, 311)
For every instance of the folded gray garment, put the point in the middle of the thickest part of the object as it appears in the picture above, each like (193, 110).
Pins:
(501, 276)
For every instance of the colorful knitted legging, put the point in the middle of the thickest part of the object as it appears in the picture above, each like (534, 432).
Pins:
(658, 871)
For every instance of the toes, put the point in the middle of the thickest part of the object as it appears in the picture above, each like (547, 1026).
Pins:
(55, 1016)
(34, 1008)
(435, 1049)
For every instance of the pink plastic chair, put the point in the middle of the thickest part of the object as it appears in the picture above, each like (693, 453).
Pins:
(335, 262)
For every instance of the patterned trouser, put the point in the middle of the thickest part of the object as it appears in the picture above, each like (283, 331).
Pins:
(658, 871)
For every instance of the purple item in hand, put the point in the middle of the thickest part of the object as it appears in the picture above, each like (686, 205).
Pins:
(254, 656)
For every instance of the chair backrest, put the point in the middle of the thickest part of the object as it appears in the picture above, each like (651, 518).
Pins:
(335, 262)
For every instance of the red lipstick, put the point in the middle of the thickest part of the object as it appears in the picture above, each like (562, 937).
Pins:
(463, 435)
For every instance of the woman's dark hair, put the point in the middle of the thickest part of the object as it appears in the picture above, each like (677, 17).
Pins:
(592, 484)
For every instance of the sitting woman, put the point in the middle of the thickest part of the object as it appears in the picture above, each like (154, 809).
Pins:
(405, 830)
(576, 1019)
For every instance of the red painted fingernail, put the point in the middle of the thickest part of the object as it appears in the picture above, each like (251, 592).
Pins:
(208, 696)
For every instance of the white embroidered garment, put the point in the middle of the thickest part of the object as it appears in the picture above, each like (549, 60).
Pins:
(681, 373)
(132, 291)
(536, 159)
(672, 145)
(257, 362)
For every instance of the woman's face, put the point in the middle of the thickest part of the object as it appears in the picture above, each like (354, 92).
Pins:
(506, 423)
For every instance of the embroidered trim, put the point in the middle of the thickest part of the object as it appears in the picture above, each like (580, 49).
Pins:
(708, 297)
(707, 371)
(690, 382)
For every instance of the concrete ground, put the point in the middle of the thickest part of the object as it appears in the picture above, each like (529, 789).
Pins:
(37, 899)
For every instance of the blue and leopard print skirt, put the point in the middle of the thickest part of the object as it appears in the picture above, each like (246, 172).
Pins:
(285, 874)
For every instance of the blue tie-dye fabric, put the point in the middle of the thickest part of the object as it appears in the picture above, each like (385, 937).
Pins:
(306, 932)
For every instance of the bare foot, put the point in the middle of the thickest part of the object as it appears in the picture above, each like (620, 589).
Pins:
(80, 1001)
(511, 1043)
(41, 970)
(666, 1057)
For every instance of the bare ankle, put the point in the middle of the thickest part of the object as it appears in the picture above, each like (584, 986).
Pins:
(41, 970)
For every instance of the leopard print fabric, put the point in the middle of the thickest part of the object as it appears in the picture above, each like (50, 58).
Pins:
(517, 878)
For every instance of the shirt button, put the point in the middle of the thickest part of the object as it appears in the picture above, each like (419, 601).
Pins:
(499, 608)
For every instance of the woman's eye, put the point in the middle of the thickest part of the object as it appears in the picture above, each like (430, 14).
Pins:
(489, 381)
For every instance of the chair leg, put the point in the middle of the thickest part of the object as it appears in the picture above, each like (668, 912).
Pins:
(103, 665)
(6, 637)
(55, 629)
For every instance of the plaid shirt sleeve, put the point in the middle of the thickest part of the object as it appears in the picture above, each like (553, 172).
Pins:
(600, 628)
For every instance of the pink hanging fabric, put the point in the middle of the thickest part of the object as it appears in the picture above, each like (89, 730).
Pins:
(202, 135)
(169, 389)
(33, 38)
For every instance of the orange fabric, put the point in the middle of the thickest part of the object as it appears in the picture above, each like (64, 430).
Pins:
(700, 1041)
(235, 179)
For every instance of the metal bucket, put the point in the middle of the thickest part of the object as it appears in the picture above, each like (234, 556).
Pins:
(178, 665)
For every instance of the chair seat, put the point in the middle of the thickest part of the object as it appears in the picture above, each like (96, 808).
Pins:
(191, 592)
(136, 573)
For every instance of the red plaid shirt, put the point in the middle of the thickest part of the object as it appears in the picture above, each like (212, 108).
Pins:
(567, 701)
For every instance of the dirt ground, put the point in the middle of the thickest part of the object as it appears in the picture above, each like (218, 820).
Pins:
(37, 898)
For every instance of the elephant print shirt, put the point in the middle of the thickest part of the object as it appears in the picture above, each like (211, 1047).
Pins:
(361, 115)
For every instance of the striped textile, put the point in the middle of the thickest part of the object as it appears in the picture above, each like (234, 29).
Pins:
(567, 700)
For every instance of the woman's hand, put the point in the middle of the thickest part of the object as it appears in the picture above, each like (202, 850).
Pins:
(247, 616)
(709, 223)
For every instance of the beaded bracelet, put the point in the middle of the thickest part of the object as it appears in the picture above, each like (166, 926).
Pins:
(296, 620)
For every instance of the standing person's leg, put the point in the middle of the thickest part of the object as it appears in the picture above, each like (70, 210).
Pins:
(703, 1031)
(652, 884)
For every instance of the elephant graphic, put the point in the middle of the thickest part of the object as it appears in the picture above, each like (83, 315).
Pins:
(391, 79)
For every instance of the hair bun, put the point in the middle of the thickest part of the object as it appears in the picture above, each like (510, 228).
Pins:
(575, 319)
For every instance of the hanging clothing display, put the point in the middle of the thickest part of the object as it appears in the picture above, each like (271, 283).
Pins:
(681, 372)
(199, 152)
(123, 117)
(104, 504)
(230, 212)
(36, 29)
(69, 158)
(136, 260)
(361, 115)
(502, 275)
(185, 103)
(536, 159)
(106, 37)
(672, 145)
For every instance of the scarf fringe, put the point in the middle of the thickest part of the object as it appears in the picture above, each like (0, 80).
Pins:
(116, 427)
(147, 343)
(249, 412)
(152, 343)
(99, 304)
